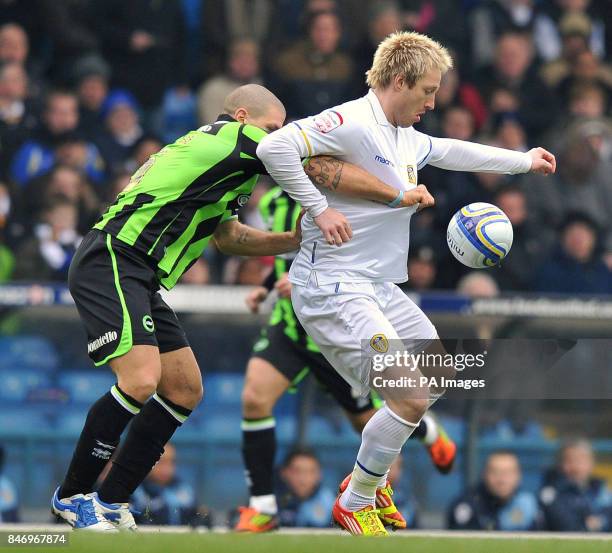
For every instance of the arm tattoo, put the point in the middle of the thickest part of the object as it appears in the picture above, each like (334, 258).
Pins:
(243, 236)
(325, 171)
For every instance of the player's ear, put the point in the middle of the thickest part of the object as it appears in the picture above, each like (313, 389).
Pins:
(241, 114)
(399, 81)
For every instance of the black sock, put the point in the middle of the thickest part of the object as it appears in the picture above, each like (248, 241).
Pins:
(258, 451)
(149, 433)
(420, 431)
(105, 422)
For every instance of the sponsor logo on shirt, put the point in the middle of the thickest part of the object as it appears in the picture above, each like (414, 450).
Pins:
(106, 338)
(328, 121)
(384, 161)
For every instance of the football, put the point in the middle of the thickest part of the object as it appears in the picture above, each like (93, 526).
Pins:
(479, 235)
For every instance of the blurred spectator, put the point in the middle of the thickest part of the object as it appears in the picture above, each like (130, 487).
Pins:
(587, 100)
(585, 9)
(9, 503)
(121, 130)
(66, 181)
(144, 43)
(384, 18)
(477, 284)
(532, 242)
(59, 122)
(17, 119)
(576, 266)
(91, 75)
(572, 499)
(443, 20)
(145, 147)
(509, 132)
(302, 499)
(586, 69)
(422, 269)
(70, 27)
(250, 272)
(242, 68)
(497, 502)
(178, 113)
(496, 17)
(513, 71)
(48, 254)
(164, 499)
(581, 183)
(574, 29)
(14, 44)
(314, 74)
(235, 19)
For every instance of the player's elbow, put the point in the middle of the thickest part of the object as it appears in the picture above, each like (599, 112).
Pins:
(225, 236)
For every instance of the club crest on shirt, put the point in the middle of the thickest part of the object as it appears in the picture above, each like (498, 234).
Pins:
(379, 343)
(412, 176)
(328, 121)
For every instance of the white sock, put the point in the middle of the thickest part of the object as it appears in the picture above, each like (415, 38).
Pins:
(431, 434)
(381, 442)
(264, 504)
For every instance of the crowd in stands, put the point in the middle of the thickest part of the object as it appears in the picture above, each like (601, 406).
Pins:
(570, 498)
(89, 90)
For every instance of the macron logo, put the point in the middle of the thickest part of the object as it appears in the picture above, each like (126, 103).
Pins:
(106, 338)
(384, 161)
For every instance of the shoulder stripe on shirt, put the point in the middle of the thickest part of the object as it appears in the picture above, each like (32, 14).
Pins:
(305, 137)
(423, 162)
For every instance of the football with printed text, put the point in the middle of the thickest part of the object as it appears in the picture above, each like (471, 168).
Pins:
(479, 235)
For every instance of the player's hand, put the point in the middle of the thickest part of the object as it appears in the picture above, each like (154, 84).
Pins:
(296, 234)
(542, 161)
(334, 226)
(283, 286)
(255, 297)
(419, 195)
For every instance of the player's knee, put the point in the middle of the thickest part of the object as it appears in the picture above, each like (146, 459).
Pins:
(255, 405)
(409, 409)
(140, 390)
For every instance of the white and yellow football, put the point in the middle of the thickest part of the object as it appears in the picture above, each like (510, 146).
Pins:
(479, 235)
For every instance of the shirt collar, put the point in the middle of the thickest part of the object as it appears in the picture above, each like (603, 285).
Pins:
(377, 109)
(225, 117)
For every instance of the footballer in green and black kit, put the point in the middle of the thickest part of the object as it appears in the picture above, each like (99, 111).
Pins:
(157, 228)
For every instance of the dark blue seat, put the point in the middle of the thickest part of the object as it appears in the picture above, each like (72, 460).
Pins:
(18, 383)
(86, 386)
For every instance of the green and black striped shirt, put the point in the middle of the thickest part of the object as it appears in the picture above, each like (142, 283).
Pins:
(174, 202)
(280, 214)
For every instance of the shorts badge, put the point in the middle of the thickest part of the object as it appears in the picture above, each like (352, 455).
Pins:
(379, 343)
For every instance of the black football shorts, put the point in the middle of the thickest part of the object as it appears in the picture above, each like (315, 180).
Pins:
(117, 297)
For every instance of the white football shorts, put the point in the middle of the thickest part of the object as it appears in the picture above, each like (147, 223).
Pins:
(343, 318)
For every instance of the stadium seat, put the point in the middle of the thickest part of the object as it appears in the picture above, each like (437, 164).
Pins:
(70, 420)
(86, 386)
(27, 352)
(17, 383)
(223, 389)
(222, 427)
(24, 418)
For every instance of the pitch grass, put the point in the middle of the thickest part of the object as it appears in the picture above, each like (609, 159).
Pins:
(279, 543)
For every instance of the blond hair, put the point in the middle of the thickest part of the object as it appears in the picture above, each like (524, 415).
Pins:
(408, 54)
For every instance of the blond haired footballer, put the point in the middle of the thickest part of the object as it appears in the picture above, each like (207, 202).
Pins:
(354, 251)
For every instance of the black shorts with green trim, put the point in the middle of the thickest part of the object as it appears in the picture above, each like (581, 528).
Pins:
(294, 361)
(117, 297)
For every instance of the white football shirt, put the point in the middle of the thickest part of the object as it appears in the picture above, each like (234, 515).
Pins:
(358, 132)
